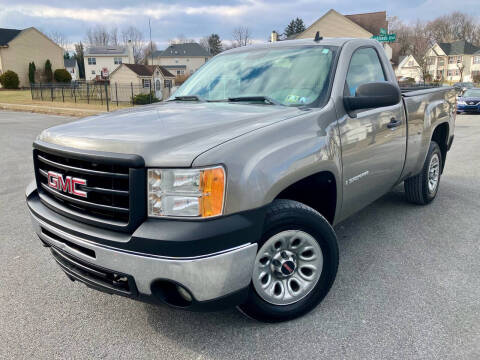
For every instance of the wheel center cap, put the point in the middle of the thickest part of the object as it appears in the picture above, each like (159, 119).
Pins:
(284, 263)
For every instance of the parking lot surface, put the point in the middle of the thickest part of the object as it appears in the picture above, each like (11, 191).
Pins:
(408, 284)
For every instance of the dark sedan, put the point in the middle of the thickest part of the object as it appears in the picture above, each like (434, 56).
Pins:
(469, 101)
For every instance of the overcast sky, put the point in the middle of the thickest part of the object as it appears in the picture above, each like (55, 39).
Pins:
(195, 19)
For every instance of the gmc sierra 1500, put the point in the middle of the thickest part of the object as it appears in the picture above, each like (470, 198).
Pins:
(227, 193)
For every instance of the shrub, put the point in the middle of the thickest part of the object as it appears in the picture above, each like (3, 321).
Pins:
(31, 72)
(62, 75)
(142, 99)
(9, 80)
(476, 78)
(48, 71)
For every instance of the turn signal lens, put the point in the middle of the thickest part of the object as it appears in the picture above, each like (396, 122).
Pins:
(186, 192)
(212, 185)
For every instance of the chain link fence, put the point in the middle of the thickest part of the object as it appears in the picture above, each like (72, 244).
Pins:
(100, 93)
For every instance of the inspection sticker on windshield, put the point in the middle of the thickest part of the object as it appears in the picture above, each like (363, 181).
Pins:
(325, 51)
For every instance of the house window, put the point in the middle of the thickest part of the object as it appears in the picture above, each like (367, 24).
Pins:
(453, 73)
(441, 61)
(191, 71)
(459, 59)
(117, 60)
(206, 59)
(167, 83)
(92, 61)
(431, 60)
(476, 59)
(93, 72)
(176, 61)
(410, 63)
(146, 83)
(452, 59)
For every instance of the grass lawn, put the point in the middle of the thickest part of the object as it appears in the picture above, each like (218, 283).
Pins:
(22, 100)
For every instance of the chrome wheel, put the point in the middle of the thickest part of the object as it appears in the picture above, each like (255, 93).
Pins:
(287, 267)
(433, 173)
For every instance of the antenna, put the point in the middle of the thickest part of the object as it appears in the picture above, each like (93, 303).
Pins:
(318, 37)
(151, 45)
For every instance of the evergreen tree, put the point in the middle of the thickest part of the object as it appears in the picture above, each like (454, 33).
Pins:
(299, 26)
(31, 72)
(290, 29)
(48, 71)
(215, 44)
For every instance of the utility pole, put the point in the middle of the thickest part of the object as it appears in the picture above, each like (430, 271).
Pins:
(151, 45)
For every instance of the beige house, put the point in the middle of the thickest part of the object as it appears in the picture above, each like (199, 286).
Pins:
(181, 59)
(455, 61)
(101, 61)
(20, 47)
(140, 79)
(409, 68)
(335, 25)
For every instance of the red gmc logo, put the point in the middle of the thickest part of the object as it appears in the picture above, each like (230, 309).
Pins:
(67, 185)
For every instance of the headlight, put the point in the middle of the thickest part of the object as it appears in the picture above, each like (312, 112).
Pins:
(460, 102)
(186, 192)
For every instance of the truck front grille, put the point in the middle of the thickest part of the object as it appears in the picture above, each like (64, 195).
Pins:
(107, 196)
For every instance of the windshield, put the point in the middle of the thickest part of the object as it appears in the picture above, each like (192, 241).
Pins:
(472, 93)
(289, 76)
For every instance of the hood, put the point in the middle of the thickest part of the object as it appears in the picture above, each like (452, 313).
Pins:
(469, 98)
(167, 134)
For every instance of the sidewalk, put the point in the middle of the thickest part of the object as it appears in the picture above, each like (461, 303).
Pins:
(52, 110)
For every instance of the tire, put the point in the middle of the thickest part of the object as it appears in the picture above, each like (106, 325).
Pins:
(417, 189)
(287, 218)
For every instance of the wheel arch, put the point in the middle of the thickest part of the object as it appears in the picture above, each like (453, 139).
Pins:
(441, 135)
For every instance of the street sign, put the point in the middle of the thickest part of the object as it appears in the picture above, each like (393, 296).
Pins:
(385, 37)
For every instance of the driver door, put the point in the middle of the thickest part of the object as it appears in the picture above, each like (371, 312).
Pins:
(373, 151)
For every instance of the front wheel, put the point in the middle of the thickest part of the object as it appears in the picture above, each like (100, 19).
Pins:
(296, 263)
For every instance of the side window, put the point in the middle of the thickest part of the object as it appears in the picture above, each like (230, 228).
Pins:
(365, 67)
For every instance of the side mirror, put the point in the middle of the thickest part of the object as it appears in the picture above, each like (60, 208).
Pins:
(373, 95)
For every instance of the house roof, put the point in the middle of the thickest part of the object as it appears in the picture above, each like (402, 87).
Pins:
(7, 35)
(147, 70)
(72, 62)
(372, 22)
(178, 50)
(106, 50)
(459, 47)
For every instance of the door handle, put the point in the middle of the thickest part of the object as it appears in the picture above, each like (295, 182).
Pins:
(394, 123)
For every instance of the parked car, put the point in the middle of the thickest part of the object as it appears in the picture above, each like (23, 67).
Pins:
(462, 86)
(469, 101)
(228, 193)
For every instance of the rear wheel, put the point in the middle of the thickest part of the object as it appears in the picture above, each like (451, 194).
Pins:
(296, 263)
(422, 188)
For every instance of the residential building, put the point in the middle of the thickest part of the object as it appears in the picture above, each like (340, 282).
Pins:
(333, 24)
(408, 68)
(181, 59)
(100, 61)
(20, 47)
(136, 78)
(71, 66)
(454, 61)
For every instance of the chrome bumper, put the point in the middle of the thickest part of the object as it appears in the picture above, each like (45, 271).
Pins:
(207, 277)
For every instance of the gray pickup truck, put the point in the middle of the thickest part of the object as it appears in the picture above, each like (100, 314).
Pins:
(227, 193)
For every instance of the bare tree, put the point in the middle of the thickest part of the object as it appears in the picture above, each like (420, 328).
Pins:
(59, 38)
(138, 43)
(98, 36)
(456, 26)
(461, 68)
(180, 39)
(241, 36)
(420, 44)
(113, 37)
(147, 53)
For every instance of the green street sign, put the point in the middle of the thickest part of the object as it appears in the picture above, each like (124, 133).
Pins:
(385, 37)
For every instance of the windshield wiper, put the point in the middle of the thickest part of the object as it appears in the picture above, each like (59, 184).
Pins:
(188, 98)
(264, 99)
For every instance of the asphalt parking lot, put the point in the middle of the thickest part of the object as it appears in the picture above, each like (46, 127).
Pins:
(408, 285)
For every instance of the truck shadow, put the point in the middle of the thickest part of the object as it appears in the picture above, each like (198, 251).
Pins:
(366, 241)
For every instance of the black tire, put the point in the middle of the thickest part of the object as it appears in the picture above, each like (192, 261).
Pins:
(416, 187)
(292, 215)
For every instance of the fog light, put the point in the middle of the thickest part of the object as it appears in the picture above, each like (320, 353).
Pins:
(184, 293)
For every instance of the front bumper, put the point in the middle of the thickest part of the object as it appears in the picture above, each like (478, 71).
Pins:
(91, 254)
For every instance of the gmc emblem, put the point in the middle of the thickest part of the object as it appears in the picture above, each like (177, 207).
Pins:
(69, 185)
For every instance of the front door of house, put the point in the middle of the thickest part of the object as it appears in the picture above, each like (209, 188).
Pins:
(158, 89)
